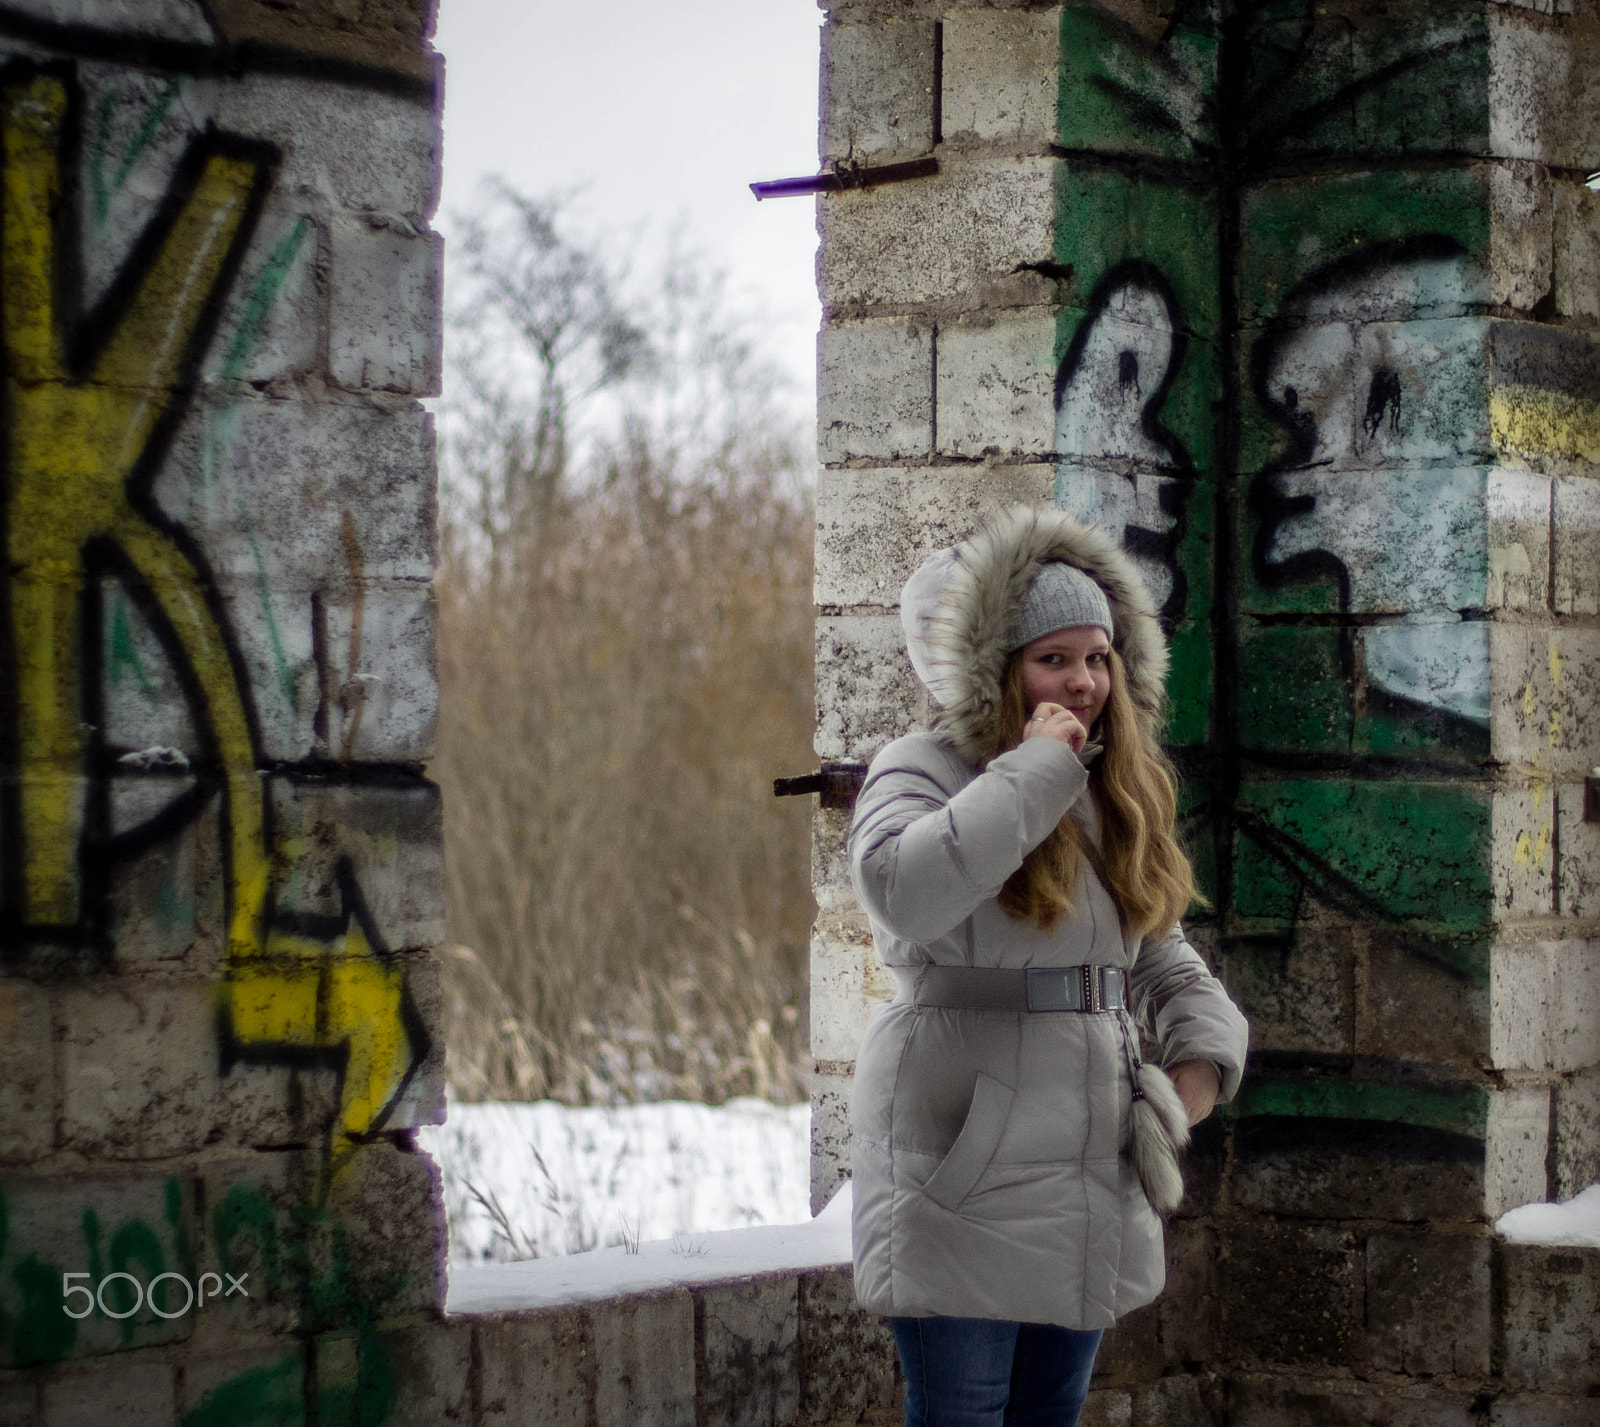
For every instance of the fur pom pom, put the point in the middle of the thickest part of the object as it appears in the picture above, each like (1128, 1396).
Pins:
(1160, 1133)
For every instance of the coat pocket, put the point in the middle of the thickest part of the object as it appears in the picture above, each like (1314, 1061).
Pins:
(980, 1135)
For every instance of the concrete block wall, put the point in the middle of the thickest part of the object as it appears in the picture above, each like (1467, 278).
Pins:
(1292, 299)
(220, 862)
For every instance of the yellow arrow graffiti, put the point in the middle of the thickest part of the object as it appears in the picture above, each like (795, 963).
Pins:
(73, 441)
(328, 995)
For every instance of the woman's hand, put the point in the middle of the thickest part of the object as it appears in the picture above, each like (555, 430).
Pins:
(1198, 1086)
(1057, 722)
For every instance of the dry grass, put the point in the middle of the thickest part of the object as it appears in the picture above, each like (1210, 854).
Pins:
(625, 664)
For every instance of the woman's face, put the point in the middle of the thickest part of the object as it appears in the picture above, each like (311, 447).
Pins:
(1071, 667)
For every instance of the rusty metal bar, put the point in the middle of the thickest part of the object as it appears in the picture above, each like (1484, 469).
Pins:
(843, 178)
(838, 783)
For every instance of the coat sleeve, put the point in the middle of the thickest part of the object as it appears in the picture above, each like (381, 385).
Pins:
(1178, 1002)
(922, 857)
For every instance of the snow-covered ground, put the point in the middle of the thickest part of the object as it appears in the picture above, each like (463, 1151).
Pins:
(1575, 1223)
(531, 1181)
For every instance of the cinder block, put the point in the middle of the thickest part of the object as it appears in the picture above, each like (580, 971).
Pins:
(390, 1206)
(1297, 997)
(1289, 1294)
(1580, 855)
(1396, 1171)
(995, 383)
(1521, 236)
(384, 307)
(1516, 1147)
(848, 1363)
(847, 981)
(1521, 1003)
(1001, 76)
(1107, 1407)
(1427, 1301)
(1544, 688)
(181, 876)
(140, 1076)
(27, 1074)
(255, 1229)
(874, 391)
(19, 1402)
(750, 1372)
(1577, 250)
(94, 1227)
(338, 493)
(1552, 1302)
(120, 1395)
(230, 1386)
(1518, 504)
(1521, 855)
(1398, 981)
(830, 1134)
(874, 527)
(271, 324)
(1409, 541)
(1541, 1410)
(1189, 1307)
(1544, 93)
(975, 222)
(1182, 1400)
(644, 1361)
(830, 860)
(1575, 1012)
(1131, 1350)
(357, 148)
(1575, 531)
(378, 688)
(390, 835)
(535, 1370)
(867, 693)
(877, 98)
(1577, 1129)
(1443, 412)
(1284, 1401)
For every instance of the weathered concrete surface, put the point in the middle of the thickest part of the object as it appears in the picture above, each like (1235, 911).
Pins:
(220, 876)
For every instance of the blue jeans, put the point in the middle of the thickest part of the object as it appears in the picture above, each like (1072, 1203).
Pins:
(980, 1372)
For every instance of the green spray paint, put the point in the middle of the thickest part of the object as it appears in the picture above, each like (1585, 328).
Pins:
(102, 188)
(222, 422)
(1180, 151)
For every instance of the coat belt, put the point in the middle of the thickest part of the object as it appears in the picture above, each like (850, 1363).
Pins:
(1033, 988)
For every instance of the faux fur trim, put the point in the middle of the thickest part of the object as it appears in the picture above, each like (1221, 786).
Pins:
(1160, 1133)
(966, 639)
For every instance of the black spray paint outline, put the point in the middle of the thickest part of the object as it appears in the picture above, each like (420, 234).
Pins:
(85, 332)
(1179, 485)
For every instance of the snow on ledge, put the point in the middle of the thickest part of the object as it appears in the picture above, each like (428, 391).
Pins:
(1574, 1224)
(823, 1242)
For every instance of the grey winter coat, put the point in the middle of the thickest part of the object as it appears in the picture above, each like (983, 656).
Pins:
(992, 1177)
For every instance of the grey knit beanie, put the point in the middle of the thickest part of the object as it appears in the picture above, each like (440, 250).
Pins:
(1060, 597)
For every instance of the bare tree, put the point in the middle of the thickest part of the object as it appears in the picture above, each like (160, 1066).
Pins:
(625, 663)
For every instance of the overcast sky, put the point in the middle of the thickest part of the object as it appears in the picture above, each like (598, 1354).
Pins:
(661, 113)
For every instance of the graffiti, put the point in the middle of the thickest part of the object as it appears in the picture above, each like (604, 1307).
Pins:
(1272, 388)
(88, 409)
(91, 405)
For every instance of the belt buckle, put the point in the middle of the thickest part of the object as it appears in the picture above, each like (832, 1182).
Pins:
(1112, 986)
(1055, 988)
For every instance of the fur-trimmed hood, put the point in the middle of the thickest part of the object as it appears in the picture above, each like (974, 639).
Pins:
(960, 605)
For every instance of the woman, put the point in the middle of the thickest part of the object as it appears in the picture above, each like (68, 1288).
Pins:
(1020, 872)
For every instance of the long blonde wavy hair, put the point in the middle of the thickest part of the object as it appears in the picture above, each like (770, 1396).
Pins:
(1135, 793)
